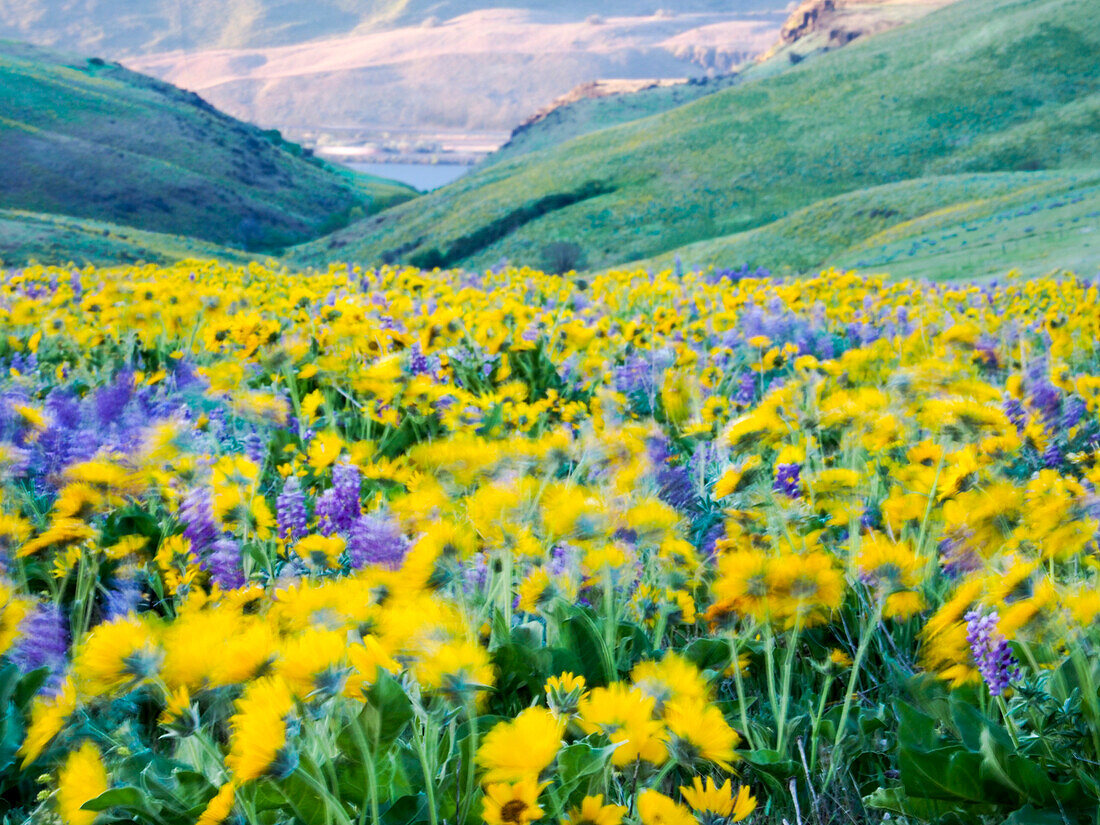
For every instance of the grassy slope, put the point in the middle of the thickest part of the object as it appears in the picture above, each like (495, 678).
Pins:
(937, 227)
(58, 240)
(981, 86)
(96, 141)
(587, 115)
(590, 115)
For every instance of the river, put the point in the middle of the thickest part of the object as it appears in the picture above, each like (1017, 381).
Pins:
(422, 176)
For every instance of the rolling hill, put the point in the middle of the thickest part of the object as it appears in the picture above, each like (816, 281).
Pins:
(812, 29)
(90, 139)
(939, 227)
(56, 240)
(983, 86)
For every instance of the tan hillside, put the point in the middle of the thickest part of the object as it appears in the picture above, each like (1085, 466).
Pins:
(485, 70)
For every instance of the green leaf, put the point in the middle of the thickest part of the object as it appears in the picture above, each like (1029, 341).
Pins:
(387, 712)
(408, 810)
(304, 800)
(1013, 771)
(772, 762)
(579, 762)
(582, 637)
(942, 773)
(581, 759)
(709, 654)
(9, 680)
(631, 646)
(29, 686)
(128, 798)
(969, 722)
(896, 801)
(1032, 816)
(915, 729)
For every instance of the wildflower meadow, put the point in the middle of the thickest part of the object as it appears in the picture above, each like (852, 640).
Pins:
(393, 546)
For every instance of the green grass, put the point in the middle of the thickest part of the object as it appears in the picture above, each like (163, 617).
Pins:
(965, 226)
(92, 140)
(31, 237)
(581, 117)
(981, 86)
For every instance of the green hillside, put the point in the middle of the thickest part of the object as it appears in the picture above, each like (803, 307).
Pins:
(89, 139)
(956, 226)
(58, 240)
(980, 86)
(591, 114)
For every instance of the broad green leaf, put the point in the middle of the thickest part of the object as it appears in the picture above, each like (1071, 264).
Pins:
(128, 798)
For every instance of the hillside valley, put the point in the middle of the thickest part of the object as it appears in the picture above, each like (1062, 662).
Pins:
(978, 87)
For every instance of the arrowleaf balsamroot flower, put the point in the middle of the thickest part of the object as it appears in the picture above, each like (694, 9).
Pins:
(82, 778)
(592, 811)
(523, 747)
(114, 654)
(258, 743)
(654, 808)
(698, 732)
(564, 694)
(514, 803)
(626, 716)
(714, 804)
(219, 807)
(48, 716)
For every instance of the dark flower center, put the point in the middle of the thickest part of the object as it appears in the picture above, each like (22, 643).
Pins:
(513, 811)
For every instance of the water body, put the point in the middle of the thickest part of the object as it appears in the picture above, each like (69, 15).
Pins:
(422, 176)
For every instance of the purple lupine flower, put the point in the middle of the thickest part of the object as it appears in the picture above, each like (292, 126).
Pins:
(197, 515)
(255, 447)
(1046, 398)
(64, 409)
(183, 374)
(991, 652)
(1016, 413)
(957, 554)
(421, 364)
(708, 541)
(477, 574)
(123, 597)
(223, 563)
(375, 539)
(112, 399)
(291, 515)
(1072, 413)
(674, 485)
(746, 389)
(327, 511)
(1052, 455)
(788, 480)
(339, 506)
(43, 642)
(562, 560)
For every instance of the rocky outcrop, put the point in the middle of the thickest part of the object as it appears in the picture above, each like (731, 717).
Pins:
(830, 24)
(805, 18)
(598, 88)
